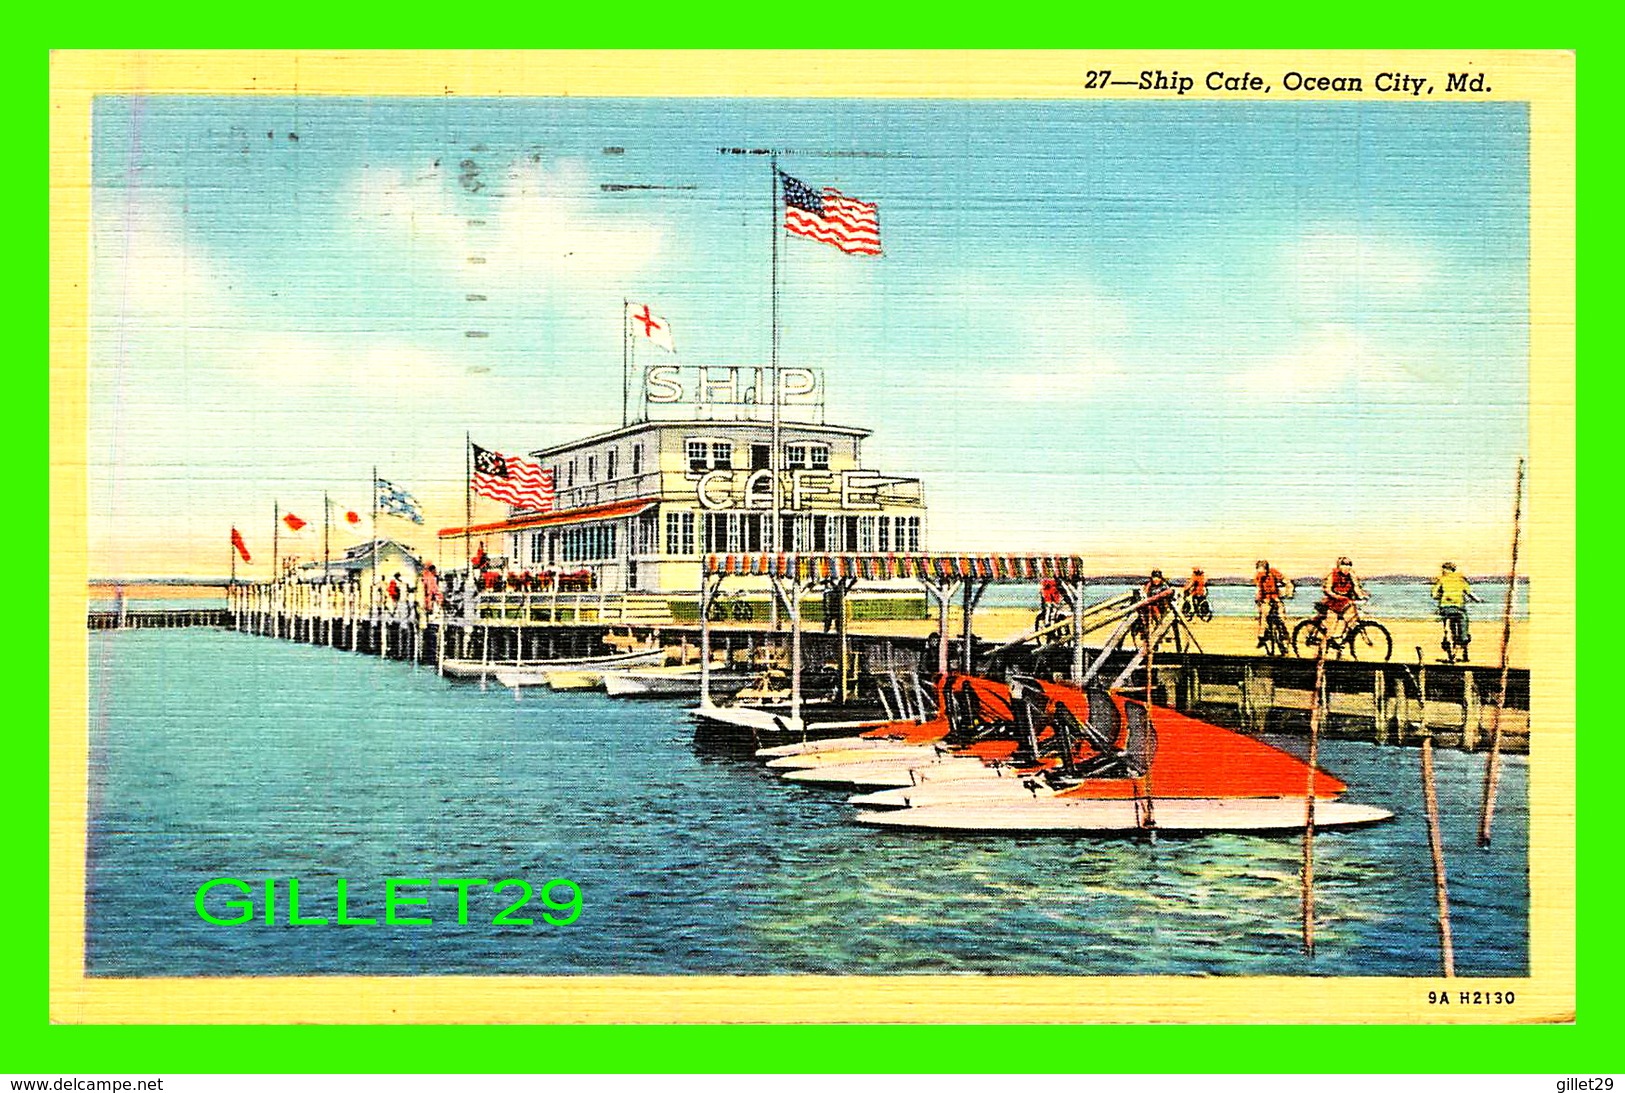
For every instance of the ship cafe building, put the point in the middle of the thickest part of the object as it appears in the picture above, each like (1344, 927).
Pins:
(638, 507)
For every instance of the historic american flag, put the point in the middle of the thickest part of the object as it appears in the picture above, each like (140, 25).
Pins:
(830, 217)
(511, 478)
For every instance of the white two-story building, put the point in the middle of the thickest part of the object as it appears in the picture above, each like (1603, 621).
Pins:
(638, 506)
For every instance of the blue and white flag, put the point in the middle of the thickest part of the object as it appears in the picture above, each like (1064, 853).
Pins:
(394, 501)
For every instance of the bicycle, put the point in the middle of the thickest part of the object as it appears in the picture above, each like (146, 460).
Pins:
(1277, 643)
(1197, 607)
(1366, 639)
(1455, 634)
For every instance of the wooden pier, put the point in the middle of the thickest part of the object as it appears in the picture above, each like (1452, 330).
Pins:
(1256, 694)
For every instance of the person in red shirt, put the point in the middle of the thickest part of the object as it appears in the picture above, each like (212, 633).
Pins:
(1343, 592)
(1270, 589)
(1195, 591)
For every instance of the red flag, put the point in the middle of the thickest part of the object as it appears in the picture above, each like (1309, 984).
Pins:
(293, 522)
(237, 541)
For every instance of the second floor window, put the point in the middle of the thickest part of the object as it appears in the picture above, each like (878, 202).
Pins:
(637, 459)
(611, 458)
(710, 455)
(592, 468)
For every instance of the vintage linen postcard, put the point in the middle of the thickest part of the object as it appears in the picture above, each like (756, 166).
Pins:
(813, 537)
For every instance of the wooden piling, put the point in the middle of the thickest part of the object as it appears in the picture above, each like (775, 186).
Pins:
(1316, 702)
(1430, 801)
(1492, 766)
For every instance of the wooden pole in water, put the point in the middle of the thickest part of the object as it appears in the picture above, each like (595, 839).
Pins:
(1430, 801)
(1492, 767)
(1316, 700)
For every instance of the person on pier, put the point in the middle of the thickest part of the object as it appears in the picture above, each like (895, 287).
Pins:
(1343, 593)
(1270, 590)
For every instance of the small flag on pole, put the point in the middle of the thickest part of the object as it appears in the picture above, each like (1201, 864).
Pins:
(394, 501)
(293, 523)
(829, 216)
(644, 323)
(347, 518)
(511, 478)
(242, 547)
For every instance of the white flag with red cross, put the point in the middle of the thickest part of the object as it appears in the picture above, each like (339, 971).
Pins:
(646, 324)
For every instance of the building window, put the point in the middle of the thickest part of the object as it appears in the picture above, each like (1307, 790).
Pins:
(592, 468)
(866, 533)
(536, 549)
(698, 455)
(611, 458)
(648, 533)
(883, 538)
(760, 456)
(637, 459)
(795, 457)
(818, 456)
(913, 528)
(570, 473)
(679, 533)
(722, 455)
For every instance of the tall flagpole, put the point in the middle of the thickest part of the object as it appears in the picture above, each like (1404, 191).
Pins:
(773, 347)
(468, 506)
(626, 356)
(373, 589)
(327, 556)
(276, 539)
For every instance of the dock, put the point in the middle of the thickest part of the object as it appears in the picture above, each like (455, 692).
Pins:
(1256, 694)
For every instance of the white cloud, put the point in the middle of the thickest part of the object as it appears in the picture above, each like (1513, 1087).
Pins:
(528, 228)
(1055, 345)
(1332, 268)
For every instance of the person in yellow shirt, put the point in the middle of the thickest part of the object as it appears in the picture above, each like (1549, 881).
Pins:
(1452, 592)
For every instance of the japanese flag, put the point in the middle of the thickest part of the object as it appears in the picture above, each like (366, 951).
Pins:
(345, 519)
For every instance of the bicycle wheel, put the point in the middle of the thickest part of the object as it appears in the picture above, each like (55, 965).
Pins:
(1306, 637)
(1370, 641)
(1204, 610)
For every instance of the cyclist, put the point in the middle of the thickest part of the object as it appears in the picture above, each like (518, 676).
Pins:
(1152, 612)
(1271, 590)
(1451, 592)
(1339, 607)
(1195, 591)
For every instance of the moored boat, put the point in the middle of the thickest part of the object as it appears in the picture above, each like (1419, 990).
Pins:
(535, 673)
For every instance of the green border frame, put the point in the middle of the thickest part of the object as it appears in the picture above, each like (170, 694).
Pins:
(35, 1046)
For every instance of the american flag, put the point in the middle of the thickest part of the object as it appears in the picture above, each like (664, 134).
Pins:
(511, 478)
(830, 217)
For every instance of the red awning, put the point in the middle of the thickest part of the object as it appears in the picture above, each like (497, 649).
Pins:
(553, 519)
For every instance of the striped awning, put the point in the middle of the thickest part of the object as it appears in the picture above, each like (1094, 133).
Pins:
(812, 567)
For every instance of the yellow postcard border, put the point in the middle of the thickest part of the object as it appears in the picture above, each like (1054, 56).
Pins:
(1545, 80)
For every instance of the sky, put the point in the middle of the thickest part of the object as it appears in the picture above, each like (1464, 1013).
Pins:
(1158, 333)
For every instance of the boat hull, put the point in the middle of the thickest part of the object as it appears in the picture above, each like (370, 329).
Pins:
(1191, 815)
(668, 683)
(535, 674)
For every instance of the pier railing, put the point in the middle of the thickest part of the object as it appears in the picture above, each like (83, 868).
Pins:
(1258, 694)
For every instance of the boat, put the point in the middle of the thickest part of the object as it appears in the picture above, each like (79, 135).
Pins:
(1123, 766)
(1264, 815)
(671, 681)
(535, 673)
(766, 723)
